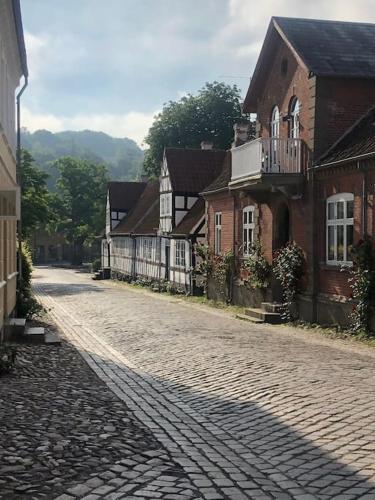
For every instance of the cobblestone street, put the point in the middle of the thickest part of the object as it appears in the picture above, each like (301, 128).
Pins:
(239, 410)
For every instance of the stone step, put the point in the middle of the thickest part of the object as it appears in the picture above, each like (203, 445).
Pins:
(266, 317)
(52, 338)
(35, 334)
(245, 317)
(272, 307)
(14, 328)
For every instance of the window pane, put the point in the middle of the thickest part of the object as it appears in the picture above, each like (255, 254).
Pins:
(349, 209)
(349, 241)
(340, 209)
(331, 211)
(245, 217)
(340, 243)
(250, 217)
(250, 238)
(245, 241)
(331, 243)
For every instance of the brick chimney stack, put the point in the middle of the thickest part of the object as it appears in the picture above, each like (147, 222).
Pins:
(241, 133)
(207, 145)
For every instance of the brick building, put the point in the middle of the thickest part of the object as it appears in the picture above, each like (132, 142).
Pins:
(313, 81)
(12, 67)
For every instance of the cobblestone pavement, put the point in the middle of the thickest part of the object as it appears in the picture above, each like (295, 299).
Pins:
(63, 432)
(248, 411)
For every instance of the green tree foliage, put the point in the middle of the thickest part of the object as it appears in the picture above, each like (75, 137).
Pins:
(80, 202)
(35, 198)
(209, 115)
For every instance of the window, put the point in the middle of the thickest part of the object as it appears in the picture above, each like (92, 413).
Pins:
(217, 232)
(248, 229)
(147, 248)
(295, 107)
(275, 122)
(180, 253)
(339, 228)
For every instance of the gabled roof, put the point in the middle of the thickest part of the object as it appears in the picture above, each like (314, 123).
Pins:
(144, 217)
(191, 170)
(124, 195)
(221, 182)
(191, 219)
(325, 48)
(357, 141)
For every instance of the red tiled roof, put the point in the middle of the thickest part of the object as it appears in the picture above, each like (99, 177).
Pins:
(144, 218)
(191, 219)
(358, 140)
(124, 195)
(191, 170)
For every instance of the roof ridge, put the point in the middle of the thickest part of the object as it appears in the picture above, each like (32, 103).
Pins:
(328, 21)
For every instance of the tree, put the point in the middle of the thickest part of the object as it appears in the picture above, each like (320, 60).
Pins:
(35, 198)
(209, 115)
(80, 202)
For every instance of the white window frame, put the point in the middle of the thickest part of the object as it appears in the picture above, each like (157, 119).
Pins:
(147, 248)
(218, 219)
(295, 109)
(334, 223)
(275, 123)
(248, 228)
(180, 257)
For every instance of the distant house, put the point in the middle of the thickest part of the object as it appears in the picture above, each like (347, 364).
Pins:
(13, 66)
(305, 177)
(121, 198)
(156, 239)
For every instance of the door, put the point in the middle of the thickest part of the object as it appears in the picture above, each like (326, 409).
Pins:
(167, 261)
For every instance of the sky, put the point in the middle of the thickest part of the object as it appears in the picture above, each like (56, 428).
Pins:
(111, 65)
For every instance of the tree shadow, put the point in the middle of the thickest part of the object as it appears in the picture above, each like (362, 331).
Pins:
(68, 289)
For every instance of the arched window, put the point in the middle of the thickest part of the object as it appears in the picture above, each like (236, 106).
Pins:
(248, 226)
(294, 111)
(275, 122)
(339, 228)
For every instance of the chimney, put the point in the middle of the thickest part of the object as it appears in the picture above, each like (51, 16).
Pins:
(241, 133)
(207, 145)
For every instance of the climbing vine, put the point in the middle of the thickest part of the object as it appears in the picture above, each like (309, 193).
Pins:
(288, 267)
(257, 267)
(204, 264)
(219, 267)
(362, 282)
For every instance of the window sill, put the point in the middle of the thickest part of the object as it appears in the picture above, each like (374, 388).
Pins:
(336, 267)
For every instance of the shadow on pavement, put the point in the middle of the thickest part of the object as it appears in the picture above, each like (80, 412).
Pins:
(276, 445)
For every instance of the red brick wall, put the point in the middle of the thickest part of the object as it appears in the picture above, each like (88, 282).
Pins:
(342, 180)
(340, 102)
(280, 89)
(223, 203)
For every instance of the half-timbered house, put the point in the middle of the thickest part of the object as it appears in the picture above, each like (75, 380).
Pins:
(121, 198)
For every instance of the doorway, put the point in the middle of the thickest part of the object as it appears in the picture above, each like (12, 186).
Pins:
(282, 226)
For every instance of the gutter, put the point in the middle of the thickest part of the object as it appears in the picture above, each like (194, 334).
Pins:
(19, 178)
(344, 160)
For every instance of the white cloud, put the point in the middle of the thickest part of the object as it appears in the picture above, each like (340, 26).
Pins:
(35, 47)
(133, 125)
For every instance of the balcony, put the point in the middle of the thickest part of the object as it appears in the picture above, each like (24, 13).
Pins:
(271, 161)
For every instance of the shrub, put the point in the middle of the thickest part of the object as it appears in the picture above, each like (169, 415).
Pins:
(257, 266)
(288, 265)
(362, 285)
(7, 358)
(27, 305)
(96, 265)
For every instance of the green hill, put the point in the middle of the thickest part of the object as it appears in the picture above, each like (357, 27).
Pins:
(122, 157)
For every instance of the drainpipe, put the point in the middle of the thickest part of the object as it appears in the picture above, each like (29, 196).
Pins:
(313, 248)
(19, 177)
(364, 199)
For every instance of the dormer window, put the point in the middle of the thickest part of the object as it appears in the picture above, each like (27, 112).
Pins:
(275, 122)
(294, 112)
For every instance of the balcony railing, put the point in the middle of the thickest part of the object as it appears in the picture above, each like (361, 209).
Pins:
(268, 156)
